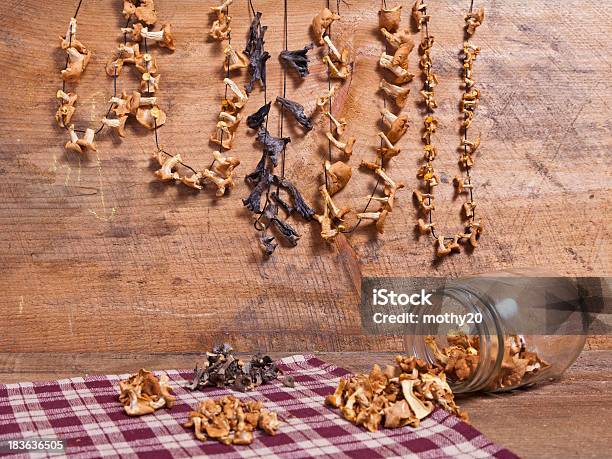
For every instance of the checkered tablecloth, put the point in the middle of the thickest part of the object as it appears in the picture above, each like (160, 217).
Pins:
(85, 412)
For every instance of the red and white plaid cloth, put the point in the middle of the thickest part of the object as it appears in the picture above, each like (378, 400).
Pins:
(86, 414)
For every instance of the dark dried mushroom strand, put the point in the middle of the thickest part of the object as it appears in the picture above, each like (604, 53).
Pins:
(274, 196)
(222, 368)
(273, 146)
(297, 111)
(300, 205)
(257, 119)
(256, 53)
(262, 179)
(297, 59)
(253, 178)
(268, 244)
(284, 229)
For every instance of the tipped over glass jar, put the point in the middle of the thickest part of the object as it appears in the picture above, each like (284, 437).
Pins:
(516, 331)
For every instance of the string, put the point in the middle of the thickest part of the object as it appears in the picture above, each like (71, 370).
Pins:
(282, 113)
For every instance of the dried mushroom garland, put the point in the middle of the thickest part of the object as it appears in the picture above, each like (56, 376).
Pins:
(276, 191)
(231, 421)
(424, 197)
(141, 17)
(143, 104)
(401, 45)
(400, 395)
(223, 369)
(337, 174)
(221, 171)
(143, 393)
(461, 358)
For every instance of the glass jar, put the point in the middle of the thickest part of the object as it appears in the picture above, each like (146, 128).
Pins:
(517, 331)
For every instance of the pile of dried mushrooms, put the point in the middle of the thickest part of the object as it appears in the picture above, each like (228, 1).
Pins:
(143, 393)
(231, 421)
(400, 395)
(461, 358)
(223, 369)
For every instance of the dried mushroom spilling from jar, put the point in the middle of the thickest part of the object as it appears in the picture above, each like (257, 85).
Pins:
(461, 357)
(143, 393)
(400, 395)
(222, 369)
(231, 421)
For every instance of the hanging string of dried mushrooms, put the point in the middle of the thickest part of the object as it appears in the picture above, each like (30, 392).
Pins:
(143, 104)
(141, 16)
(263, 179)
(337, 174)
(221, 171)
(399, 42)
(424, 196)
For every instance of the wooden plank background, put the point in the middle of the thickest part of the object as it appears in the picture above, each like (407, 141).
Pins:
(171, 270)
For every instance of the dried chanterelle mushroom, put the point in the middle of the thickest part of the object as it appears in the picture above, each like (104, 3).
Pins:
(397, 124)
(66, 110)
(389, 19)
(116, 123)
(418, 14)
(321, 23)
(398, 93)
(222, 172)
(150, 116)
(231, 421)
(144, 10)
(234, 59)
(398, 66)
(474, 20)
(400, 395)
(397, 39)
(168, 164)
(77, 63)
(338, 62)
(143, 393)
(221, 29)
(164, 37)
(328, 229)
(125, 54)
(225, 130)
(387, 202)
(338, 175)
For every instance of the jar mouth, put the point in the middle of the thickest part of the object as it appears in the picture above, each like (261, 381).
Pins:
(485, 324)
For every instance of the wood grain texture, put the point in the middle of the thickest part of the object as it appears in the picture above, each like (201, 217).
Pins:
(172, 270)
(561, 420)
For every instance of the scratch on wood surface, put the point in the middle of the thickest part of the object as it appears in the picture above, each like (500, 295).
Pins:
(55, 166)
(157, 311)
(70, 322)
(104, 215)
(21, 305)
